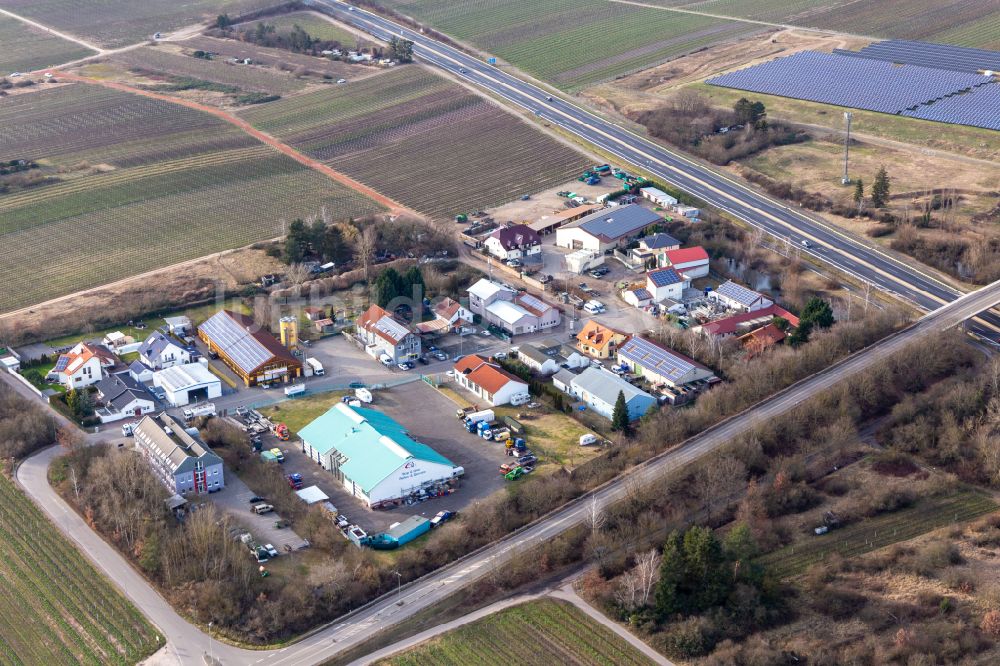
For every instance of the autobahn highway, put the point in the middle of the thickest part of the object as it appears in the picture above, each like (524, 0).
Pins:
(826, 242)
(187, 644)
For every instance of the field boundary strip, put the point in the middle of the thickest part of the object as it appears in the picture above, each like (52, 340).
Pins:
(263, 137)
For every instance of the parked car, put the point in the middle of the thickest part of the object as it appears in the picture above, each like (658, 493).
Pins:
(256, 500)
(385, 360)
(500, 356)
(599, 272)
(545, 279)
(514, 263)
(295, 481)
(441, 517)
(441, 356)
(271, 550)
(276, 452)
(423, 360)
(406, 365)
(356, 385)
(527, 460)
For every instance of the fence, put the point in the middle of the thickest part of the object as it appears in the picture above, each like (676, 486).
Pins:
(31, 386)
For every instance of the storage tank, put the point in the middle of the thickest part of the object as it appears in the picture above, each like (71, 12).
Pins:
(288, 328)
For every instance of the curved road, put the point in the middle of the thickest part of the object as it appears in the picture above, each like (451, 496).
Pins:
(189, 643)
(826, 242)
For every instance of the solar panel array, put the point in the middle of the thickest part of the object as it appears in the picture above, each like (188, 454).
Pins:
(978, 108)
(533, 302)
(738, 293)
(235, 342)
(655, 358)
(61, 363)
(852, 82)
(664, 276)
(392, 328)
(925, 54)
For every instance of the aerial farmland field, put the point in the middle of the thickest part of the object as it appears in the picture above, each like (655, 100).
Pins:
(114, 23)
(137, 184)
(973, 23)
(57, 608)
(540, 632)
(422, 140)
(573, 43)
(27, 48)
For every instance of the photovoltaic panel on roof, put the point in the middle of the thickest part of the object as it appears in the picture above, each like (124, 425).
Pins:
(392, 328)
(235, 342)
(738, 293)
(655, 358)
(530, 301)
(61, 364)
(849, 81)
(664, 277)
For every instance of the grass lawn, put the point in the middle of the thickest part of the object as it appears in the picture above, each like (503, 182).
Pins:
(874, 533)
(318, 28)
(57, 608)
(538, 632)
(297, 413)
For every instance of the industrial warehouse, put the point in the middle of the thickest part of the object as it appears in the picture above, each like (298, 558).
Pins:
(375, 458)
(251, 352)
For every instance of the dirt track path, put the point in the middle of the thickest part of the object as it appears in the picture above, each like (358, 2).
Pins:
(63, 35)
(345, 180)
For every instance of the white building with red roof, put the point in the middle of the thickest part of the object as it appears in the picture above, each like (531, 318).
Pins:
(691, 261)
(83, 365)
(488, 380)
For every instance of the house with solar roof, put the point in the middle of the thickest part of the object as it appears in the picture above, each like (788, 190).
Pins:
(249, 351)
(83, 365)
(373, 456)
(607, 229)
(737, 297)
(664, 283)
(659, 365)
(381, 334)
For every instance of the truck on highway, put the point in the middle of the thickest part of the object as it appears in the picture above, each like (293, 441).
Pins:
(317, 367)
(295, 389)
(203, 409)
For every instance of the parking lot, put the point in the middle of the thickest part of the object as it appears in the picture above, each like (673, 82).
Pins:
(234, 499)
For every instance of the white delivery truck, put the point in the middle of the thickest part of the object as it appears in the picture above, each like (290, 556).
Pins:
(485, 415)
(317, 367)
(295, 389)
(204, 409)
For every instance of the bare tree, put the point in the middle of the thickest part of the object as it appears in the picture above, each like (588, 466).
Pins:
(718, 480)
(595, 515)
(364, 251)
(647, 568)
(297, 274)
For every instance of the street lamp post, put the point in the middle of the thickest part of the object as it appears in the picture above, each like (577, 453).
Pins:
(211, 648)
(399, 584)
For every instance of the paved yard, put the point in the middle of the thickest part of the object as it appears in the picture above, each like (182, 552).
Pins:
(234, 500)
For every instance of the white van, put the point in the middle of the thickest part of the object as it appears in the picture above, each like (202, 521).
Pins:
(594, 307)
(385, 360)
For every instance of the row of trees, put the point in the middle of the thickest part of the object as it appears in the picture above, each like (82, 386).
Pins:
(391, 285)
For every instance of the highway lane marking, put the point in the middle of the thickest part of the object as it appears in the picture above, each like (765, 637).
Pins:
(373, 27)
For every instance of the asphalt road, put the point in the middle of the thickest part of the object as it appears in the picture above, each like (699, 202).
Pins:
(827, 243)
(188, 643)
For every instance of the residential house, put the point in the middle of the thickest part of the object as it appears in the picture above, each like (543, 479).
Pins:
(182, 462)
(516, 241)
(598, 341)
(691, 261)
(140, 372)
(122, 397)
(745, 322)
(664, 283)
(605, 230)
(453, 313)
(486, 292)
(314, 313)
(381, 334)
(373, 456)
(488, 380)
(119, 343)
(651, 249)
(563, 380)
(537, 359)
(83, 365)
(738, 297)
(159, 352)
(599, 390)
(249, 351)
(659, 365)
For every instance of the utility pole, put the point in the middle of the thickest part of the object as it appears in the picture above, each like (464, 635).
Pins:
(848, 116)
(399, 583)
